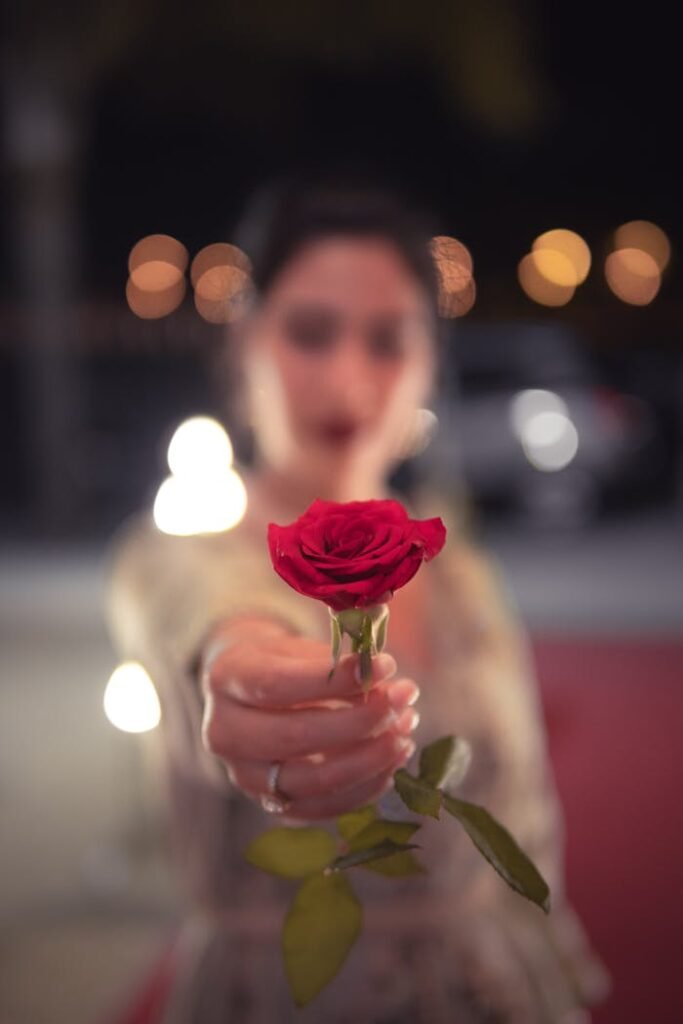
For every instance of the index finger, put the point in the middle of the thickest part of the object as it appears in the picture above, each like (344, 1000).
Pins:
(275, 680)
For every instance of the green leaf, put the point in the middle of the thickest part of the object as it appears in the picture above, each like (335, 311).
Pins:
(500, 850)
(382, 832)
(397, 832)
(400, 865)
(321, 926)
(417, 795)
(378, 830)
(355, 821)
(445, 762)
(387, 848)
(292, 852)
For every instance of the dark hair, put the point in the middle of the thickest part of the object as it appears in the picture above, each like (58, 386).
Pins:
(287, 215)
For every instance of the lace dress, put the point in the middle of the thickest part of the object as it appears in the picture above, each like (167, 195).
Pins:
(453, 946)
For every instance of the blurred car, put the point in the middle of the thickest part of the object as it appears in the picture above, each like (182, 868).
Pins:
(525, 423)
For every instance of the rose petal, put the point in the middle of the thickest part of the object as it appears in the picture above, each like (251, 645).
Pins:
(353, 554)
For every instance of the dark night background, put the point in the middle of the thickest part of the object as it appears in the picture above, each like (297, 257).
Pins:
(507, 119)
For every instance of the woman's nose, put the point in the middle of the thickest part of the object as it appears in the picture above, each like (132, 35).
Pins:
(351, 379)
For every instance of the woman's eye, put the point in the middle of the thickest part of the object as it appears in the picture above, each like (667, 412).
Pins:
(310, 333)
(387, 343)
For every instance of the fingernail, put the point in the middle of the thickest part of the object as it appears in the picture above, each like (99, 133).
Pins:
(402, 693)
(405, 746)
(407, 721)
(383, 666)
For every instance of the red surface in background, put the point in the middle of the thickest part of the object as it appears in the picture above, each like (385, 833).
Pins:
(614, 710)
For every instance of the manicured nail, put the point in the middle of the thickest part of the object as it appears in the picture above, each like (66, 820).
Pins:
(407, 721)
(405, 746)
(383, 666)
(402, 693)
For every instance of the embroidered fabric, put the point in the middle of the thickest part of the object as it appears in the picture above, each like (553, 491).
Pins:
(452, 946)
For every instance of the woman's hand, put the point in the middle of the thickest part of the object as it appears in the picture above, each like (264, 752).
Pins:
(268, 698)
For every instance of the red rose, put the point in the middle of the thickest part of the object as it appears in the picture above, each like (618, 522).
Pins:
(353, 554)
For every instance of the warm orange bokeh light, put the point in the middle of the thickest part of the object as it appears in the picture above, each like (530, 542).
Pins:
(562, 256)
(446, 250)
(633, 276)
(151, 305)
(540, 288)
(157, 263)
(219, 254)
(453, 262)
(555, 267)
(454, 304)
(222, 294)
(646, 236)
(222, 282)
(221, 277)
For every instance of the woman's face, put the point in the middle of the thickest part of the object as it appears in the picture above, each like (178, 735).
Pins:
(339, 356)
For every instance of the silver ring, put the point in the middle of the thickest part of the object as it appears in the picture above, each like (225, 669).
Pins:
(275, 801)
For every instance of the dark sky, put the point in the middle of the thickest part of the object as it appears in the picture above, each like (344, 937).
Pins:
(508, 118)
(508, 121)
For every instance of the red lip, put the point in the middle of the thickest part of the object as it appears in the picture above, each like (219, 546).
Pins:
(338, 432)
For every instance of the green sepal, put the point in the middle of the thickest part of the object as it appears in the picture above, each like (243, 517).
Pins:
(501, 851)
(336, 643)
(380, 632)
(365, 659)
(321, 926)
(351, 621)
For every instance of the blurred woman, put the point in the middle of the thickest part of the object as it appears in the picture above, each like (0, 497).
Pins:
(338, 353)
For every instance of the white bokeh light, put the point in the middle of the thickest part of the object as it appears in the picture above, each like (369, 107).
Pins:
(205, 504)
(130, 700)
(530, 403)
(550, 440)
(199, 447)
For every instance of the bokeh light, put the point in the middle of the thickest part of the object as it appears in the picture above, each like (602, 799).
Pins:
(646, 236)
(555, 267)
(221, 275)
(199, 447)
(219, 254)
(453, 261)
(151, 305)
(530, 403)
(538, 287)
(541, 421)
(454, 304)
(157, 262)
(222, 294)
(426, 425)
(550, 440)
(130, 699)
(562, 256)
(212, 504)
(203, 494)
(633, 275)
